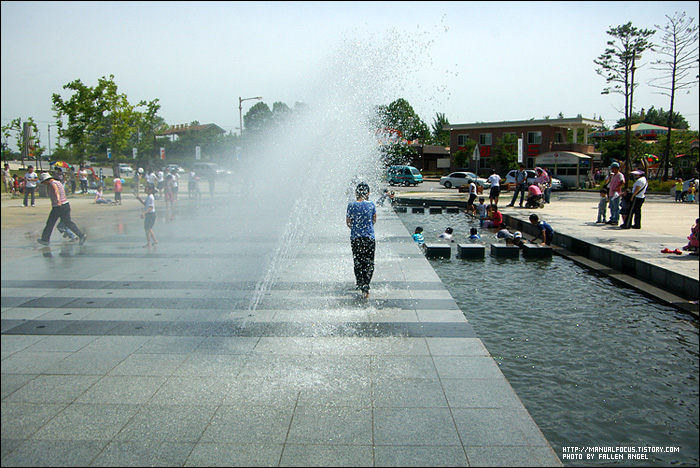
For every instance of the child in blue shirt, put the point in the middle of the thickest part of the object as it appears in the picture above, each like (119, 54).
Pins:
(474, 234)
(545, 229)
(418, 236)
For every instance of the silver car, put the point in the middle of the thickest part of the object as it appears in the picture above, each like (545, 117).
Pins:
(457, 179)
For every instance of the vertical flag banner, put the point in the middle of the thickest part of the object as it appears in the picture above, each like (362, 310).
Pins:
(162, 153)
(520, 150)
(197, 153)
(134, 152)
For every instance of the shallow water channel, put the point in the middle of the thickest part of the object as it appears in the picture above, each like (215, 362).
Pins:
(596, 364)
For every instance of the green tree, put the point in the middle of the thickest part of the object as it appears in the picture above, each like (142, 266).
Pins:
(29, 144)
(680, 48)
(400, 119)
(440, 136)
(258, 118)
(461, 157)
(505, 154)
(656, 117)
(399, 115)
(618, 65)
(99, 117)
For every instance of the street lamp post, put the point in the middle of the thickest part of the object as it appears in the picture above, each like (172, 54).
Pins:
(240, 109)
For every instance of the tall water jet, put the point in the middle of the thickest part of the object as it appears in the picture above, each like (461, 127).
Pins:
(310, 159)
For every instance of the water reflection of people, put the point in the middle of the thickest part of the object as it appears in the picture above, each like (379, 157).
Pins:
(361, 218)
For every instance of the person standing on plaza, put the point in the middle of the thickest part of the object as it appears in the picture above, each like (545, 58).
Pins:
(138, 174)
(149, 215)
(151, 180)
(520, 185)
(544, 182)
(60, 209)
(7, 179)
(471, 209)
(495, 181)
(615, 181)
(118, 190)
(691, 192)
(361, 217)
(83, 177)
(548, 186)
(70, 180)
(175, 186)
(30, 181)
(679, 189)
(161, 180)
(602, 206)
(639, 190)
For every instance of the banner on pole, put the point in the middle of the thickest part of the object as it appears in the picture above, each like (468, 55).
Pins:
(520, 150)
(162, 153)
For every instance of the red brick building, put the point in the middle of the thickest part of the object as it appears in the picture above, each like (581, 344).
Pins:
(540, 137)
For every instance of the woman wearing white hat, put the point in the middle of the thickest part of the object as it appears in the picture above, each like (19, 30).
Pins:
(60, 208)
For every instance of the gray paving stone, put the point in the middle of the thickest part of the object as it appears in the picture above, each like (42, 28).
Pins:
(185, 357)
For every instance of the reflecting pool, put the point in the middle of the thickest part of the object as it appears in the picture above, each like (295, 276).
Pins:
(596, 364)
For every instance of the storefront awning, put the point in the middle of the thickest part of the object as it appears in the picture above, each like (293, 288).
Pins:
(560, 157)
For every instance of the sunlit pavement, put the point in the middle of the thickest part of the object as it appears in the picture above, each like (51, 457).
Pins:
(226, 346)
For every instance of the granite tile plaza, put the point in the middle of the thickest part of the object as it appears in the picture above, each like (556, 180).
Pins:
(187, 355)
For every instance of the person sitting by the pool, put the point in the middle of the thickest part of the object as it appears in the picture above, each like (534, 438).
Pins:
(495, 218)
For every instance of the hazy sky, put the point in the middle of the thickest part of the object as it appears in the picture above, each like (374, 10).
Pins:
(472, 61)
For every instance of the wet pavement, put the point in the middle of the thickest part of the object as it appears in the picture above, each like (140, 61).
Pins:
(240, 344)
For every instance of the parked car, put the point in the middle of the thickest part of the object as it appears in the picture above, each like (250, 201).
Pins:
(125, 170)
(531, 176)
(176, 167)
(207, 170)
(404, 175)
(457, 179)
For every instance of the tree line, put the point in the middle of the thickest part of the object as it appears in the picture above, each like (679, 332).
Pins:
(95, 121)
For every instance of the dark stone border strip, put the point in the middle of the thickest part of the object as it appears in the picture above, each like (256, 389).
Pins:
(239, 329)
(214, 286)
(146, 303)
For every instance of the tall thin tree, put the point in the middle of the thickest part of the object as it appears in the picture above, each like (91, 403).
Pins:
(618, 65)
(679, 47)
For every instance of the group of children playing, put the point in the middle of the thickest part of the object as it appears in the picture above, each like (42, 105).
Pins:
(545, 231)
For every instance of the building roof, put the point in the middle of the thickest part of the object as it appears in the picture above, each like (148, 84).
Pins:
(184, 128)
(642, 128)
(577, 122)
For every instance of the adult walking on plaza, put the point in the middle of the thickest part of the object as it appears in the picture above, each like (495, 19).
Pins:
(60, 208)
